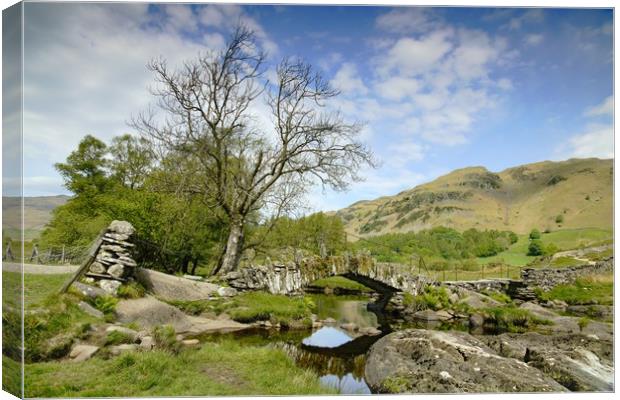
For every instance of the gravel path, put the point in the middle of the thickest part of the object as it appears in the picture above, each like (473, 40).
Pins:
(39, 269)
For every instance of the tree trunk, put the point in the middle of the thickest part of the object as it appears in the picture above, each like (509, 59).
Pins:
(234, 247)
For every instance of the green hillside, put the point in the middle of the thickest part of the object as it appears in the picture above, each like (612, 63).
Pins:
(577, 193)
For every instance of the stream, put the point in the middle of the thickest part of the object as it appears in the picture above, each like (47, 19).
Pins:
(338, 356)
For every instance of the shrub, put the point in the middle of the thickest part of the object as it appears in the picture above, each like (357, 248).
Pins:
(434, 298)
(535, 248)
(559, 219)
(583, 322)
(534, 234)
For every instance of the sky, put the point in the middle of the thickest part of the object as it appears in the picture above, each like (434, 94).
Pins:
(436, 88)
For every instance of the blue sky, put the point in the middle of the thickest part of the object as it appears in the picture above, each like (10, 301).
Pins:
(438, 88)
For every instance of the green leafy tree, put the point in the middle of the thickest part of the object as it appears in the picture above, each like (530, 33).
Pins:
(535, 248)
(85, 171)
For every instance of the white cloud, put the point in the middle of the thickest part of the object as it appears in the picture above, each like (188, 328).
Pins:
(532, 15)
(410, 56)
(348, 81)
(85, 69)
(605, 108)
(398, 87)
(409, 20)
(534, 39)
(596, 140)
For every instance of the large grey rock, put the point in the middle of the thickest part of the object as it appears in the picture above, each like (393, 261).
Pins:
(566, 324)
(170, 287)
(425, 361)
(82, 352)
(577, 361)
(477, 300)
(225, 291)
(148, 312)
(430, 315)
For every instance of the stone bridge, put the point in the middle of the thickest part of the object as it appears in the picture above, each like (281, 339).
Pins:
(293, 277)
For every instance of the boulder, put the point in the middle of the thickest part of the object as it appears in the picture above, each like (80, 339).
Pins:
(476, 321)
(148, 312)
(579, 362)
(477, 300)
(82, 352)
(565, 324)
(426, 361)
(88, 309)
(170, 287)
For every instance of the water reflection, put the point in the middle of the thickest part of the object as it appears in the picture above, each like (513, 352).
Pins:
(327, 337)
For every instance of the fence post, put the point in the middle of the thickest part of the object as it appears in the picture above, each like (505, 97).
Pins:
(35, 253)
(92, 253)
(482, 271)
(8, 254)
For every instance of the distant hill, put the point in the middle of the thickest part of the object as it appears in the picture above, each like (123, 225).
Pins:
(576, 193)
(37, 213)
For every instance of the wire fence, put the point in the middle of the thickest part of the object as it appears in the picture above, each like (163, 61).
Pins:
(50, 255)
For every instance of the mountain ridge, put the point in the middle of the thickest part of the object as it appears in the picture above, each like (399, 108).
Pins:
(547, 195)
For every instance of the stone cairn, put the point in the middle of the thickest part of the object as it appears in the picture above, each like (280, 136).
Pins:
(113, 264)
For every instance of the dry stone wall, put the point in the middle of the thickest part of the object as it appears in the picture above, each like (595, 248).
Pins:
(113, 263)
(548, 278)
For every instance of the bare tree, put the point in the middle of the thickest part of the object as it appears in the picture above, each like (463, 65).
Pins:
(247, 168)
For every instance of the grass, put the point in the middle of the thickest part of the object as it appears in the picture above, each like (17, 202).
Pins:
(340, 282)
(254, 306)
(216, 369)
(11, 376)
(37, 288)
(512, 319)
(595, 289)
(562, 262)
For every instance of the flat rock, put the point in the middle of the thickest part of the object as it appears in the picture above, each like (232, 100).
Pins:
(427, 361)
(430, 315)
(226, 291)
(147, 343)
(88, 309)
(565, 324)
(190, 342)
(350, 326)
(109, 286)
(170, 287)
(82, 352)
(148, 312)
(579, 362)
(477, 300)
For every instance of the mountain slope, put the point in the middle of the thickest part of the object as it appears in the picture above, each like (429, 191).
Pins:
(37, 213)
(575, 193)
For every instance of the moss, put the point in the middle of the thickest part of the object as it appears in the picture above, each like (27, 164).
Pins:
(395, 384)
(131, 290)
